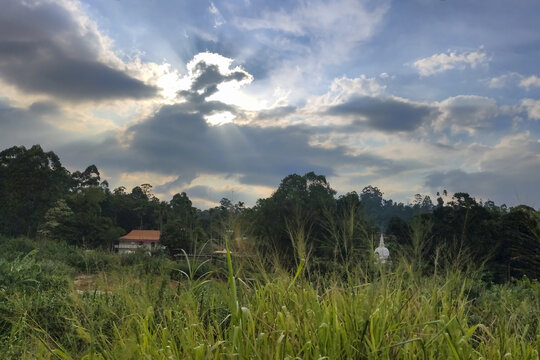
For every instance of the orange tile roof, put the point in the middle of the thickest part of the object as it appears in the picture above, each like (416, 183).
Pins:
(142, 235)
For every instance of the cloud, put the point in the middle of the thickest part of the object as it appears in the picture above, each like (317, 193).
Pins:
(531, 81)
(212, 77)
(275, 114)
(466, 113)
(438, 63)
(298, 41)
(532, 107)
(178, 139)
(210, 195)
(218, 18)
(28, 126)
(175, 140)
(385, 113)
(504, 80)
(208, 71)
(514, 79)
(52, 48)
(321, 19)
(343, 88)
(508, 173)
(178, 183)
(361, 104)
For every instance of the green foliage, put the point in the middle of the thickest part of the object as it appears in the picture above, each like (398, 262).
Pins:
(31, 180)
(520, 230)
(182, 232)
(298, 279)
(308, 197)
(34, 295)
(55, 219)
(12, 248)
(398, 314)
(42, 199)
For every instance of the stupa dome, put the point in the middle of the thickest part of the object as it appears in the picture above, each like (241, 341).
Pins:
(381, 253)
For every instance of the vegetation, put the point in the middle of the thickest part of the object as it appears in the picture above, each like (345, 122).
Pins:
(138, 306)
(298, 279)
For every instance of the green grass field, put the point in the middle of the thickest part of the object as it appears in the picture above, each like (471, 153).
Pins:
(140, 307)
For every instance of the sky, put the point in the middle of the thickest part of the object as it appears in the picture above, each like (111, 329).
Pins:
(226, 98)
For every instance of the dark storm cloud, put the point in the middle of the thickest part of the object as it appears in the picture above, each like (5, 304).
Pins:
(386, 114)
(44, 49)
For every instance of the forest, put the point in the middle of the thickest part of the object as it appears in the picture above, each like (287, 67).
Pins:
(298, 279)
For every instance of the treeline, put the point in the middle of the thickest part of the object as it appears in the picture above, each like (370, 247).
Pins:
(303, 219)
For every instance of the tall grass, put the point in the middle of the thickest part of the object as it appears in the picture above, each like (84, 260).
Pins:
(394, 313)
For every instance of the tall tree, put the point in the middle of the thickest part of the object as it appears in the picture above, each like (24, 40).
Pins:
(31, 181)
(182, 230)
(300, 201)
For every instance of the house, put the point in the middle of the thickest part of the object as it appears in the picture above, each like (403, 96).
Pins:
(146, 239)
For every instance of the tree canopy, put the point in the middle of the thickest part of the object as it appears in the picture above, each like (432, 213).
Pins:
(304, 217)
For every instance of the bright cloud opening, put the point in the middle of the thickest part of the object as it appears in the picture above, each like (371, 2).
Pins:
(221, 118)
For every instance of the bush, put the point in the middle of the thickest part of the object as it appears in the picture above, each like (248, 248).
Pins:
(12, 248)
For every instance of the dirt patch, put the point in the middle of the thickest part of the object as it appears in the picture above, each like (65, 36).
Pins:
(84, 283)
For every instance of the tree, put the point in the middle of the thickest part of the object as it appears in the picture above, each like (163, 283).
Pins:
(520, 250)
(87, 227)
(87, 178)
(182, 230)
(31, 181)
(298, 200)
(55, 219)
(427, 204)
(347, 229)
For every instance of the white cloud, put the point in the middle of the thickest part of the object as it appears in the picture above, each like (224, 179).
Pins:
(218, 18)
(341, 90)
(513, 79)
(231, 91)
(531, 81)
(313, 35)
(223, 63)
(322, 20)
(466, 113)
(504, 80)
(344, 88)
(438, 63)
(532, 107)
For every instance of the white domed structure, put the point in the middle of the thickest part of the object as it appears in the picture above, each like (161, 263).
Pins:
(382, 254)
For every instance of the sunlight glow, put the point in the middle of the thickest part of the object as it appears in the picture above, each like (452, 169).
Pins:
(220, 118)
(170, 83)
